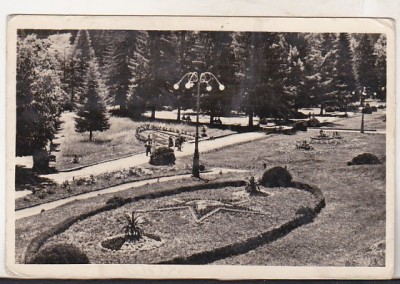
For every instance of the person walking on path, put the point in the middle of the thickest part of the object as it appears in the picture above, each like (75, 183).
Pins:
(148, 148)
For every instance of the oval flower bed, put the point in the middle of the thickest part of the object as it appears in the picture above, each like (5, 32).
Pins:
(194, 226)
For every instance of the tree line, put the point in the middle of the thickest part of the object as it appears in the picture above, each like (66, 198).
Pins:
(270, 75)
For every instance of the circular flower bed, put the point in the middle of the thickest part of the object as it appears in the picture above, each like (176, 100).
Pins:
(194, 226)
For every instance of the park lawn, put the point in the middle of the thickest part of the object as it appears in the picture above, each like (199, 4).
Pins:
(28, 228)
(117, 142)
(374, 121)
(355, 213)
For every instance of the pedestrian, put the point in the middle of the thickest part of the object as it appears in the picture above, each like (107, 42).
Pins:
(170, 142)
(177, 143)
(181, 140)
(148, 148)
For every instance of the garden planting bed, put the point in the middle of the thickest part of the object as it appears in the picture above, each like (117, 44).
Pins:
(196, 226)
(52, 191)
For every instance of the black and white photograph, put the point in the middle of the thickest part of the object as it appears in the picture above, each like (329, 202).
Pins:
(219, 143)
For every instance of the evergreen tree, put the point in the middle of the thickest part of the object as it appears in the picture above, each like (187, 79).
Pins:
(345, 81)
(218, 59)
(140, 68)
(92, 115)
(116, 66)
(380, 52)
(366, 65)
(247, 49)
(276, 102)
(327, 87)
(296, 80)
(82, 54)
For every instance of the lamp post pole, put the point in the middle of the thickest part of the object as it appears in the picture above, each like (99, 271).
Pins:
(193, 77)
(196, 155)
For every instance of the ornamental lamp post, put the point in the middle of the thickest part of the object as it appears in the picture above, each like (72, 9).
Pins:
(203, 78)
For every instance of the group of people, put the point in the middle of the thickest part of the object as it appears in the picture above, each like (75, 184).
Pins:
(178, 142)
(186, 118)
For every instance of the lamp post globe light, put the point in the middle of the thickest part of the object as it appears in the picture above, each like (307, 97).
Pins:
(203, 78)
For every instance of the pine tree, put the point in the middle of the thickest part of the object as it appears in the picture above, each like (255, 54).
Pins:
(380, 52)
(116, 66)
(139, 65)
(92, 115)
(329, 49)
(345, 81)
(366, 65)
(247, 49)
(217, 57)
(82, 54)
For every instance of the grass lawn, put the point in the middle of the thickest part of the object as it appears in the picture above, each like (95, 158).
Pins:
(374, 121)
(355, 213)
(117, 142)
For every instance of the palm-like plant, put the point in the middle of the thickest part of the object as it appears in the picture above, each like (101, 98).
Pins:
(132, 229)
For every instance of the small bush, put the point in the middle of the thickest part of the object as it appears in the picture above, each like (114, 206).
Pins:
(300, 126)
(163, 156)
(276, 177)
(117, 200)
(300, 115)
(365, 159)
(313, 122)
(381, 107)
(60, 253)
(330, 109)
(202, 168)
(367, 110)
(374, 109)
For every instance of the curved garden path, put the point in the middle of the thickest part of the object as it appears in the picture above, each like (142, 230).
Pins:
(140, 159)
(19, 214)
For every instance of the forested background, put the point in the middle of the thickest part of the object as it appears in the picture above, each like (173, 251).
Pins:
(270, 75)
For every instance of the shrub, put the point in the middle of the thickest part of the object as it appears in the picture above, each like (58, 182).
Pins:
(300, 126)
(374, 108)
(252, 186)
(162, 156)
(381, 107)
(276, 177)
(117, 200)
(60, 253)
(365, 159)
(313, 122)
(330, 109)
(202, 168)
(367, 110)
